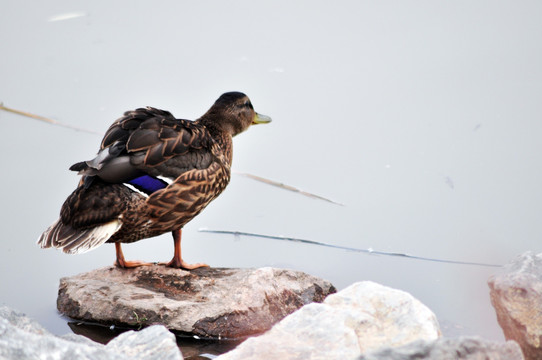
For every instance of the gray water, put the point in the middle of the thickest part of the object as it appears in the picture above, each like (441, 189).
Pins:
(422, 117)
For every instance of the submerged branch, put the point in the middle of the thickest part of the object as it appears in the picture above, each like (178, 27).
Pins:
(287, 187)
(47, 120)
(366, 251)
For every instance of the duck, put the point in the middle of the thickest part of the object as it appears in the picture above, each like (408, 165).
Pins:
(152, 174)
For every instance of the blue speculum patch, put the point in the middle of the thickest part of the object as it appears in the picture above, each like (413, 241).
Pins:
(148, 184)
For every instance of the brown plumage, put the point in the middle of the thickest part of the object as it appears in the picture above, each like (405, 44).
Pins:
(153, 174)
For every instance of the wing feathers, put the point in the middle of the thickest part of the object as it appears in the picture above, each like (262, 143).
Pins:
(156, 134)
(142, 139)
(155, 155)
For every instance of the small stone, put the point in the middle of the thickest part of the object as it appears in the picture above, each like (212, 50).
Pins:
(22, 338)
(363, 317)
(516, 295)
(208, 302)
(449, 349)
(154, 342)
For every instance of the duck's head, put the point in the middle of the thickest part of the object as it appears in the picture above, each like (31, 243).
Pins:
(233, 113)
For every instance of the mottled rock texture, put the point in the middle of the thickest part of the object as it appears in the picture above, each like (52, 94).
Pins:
(208, 302)
(449, 349)
(516, 295)
(363, 317)
(22, 338)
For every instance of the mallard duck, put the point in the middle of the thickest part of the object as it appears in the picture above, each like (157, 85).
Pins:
(153, 174)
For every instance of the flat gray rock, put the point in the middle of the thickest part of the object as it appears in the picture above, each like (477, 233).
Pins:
(208, 302)
(22, 338)
(449, 349)
(516, 295)
(365, 316)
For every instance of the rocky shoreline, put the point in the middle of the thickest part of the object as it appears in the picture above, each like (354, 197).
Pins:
(299, 312)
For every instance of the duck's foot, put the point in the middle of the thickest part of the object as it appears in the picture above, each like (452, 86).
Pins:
(131, 264)
(123, 263)
(177, 262)
(181, 264)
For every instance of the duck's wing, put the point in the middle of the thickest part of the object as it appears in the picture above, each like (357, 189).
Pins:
(175, 163)
(149, 141)
(157, 133)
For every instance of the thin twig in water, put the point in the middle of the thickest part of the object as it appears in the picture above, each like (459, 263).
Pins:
(287, 187)
(43, 118)
(367, 251)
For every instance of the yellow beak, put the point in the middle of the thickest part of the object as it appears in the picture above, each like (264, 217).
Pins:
(261, 119)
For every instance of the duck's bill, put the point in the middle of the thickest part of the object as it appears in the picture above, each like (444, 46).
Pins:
(261, 119)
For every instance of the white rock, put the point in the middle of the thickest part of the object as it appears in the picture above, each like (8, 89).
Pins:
(465, 348)
(22, 338)
(363, 317)
(154, 342)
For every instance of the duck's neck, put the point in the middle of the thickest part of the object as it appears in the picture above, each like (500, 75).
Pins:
(223, 139)
(226, 143)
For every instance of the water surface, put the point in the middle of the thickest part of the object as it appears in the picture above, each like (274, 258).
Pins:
(423, 118)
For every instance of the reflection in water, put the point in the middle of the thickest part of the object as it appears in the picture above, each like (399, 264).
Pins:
(66, 16)
(95, 332)
(192, 348)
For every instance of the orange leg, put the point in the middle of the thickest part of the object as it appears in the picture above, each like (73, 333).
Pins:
(121, 262)
(177, 261)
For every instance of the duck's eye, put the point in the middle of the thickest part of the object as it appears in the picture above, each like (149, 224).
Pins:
(248, 104)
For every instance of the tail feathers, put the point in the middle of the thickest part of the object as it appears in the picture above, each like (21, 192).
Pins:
(76, 241)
